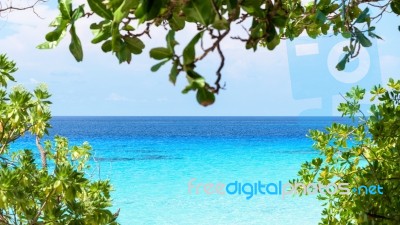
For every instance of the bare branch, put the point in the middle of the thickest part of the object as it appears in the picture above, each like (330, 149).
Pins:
(10, 8)
(212, 48)
(221, 66)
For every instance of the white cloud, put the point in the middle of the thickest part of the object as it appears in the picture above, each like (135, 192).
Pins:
(162, 99)
(34, 81)
(116, 98)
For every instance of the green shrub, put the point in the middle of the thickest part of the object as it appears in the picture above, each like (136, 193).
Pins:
(365, 152)
(57, 192)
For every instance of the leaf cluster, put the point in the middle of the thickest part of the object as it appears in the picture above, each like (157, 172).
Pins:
(57, 193)
(21, 111)
(363, 152)
(120, 29)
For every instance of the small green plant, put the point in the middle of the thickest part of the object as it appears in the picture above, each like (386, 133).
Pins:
(57, 192)
(366, 152)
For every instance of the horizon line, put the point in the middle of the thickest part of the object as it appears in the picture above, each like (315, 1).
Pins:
(187, 116)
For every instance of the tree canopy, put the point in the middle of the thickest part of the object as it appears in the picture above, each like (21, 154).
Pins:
(57, 193)
(364, 153)
(122, 23)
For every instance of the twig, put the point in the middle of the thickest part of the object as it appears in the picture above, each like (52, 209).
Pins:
(221, 66)
(43, 153)
(11, 8)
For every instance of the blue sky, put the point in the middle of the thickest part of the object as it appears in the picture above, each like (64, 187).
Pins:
(294, 79)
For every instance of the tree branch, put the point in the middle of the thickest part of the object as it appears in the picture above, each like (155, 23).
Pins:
(43, 153)
(11, 8)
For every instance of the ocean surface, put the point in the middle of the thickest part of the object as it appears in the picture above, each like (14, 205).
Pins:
(159, 165)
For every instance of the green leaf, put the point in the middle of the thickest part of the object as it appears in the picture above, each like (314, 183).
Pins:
(342, 64)
(56, 21)
(52, 44)
(187, 89)
(174, 73)
(346, 34)
(363, 16)
(253, 7)
(200, 11)
(395, 5)
(47, 45)
(56, 34)
(98, 7)
(320, 17)
(115, 37)
(135, 44)
(124, 9)
(156, 67)
(364, 41)
(312, 31)
(171, 42)
(124, 54)
(78, 13)
(325, 28)
(65, 7)
(119, 15)
(272, 34)
(129, 4)
(176, 22)
(102, 35)
(274, 42)
(205, 97)
(189, 53)
(195, 80)
(160, 53)
(75, 46)
(279, 20)
(106, 46)
(148, 9)
(220, 24)
(128, 28)
(152, 8)
(140, 10)
(373, 35)
(232, 4)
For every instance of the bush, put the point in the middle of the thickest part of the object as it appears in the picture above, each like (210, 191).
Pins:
(57, 192)
(365, 152)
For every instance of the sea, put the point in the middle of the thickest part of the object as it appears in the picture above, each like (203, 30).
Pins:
(176, 170)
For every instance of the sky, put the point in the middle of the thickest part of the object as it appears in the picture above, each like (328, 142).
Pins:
(297, 78)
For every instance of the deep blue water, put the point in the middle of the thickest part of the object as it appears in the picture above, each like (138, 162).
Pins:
(150, 161)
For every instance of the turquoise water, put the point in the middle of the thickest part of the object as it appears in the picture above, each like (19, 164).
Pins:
(150, 161)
